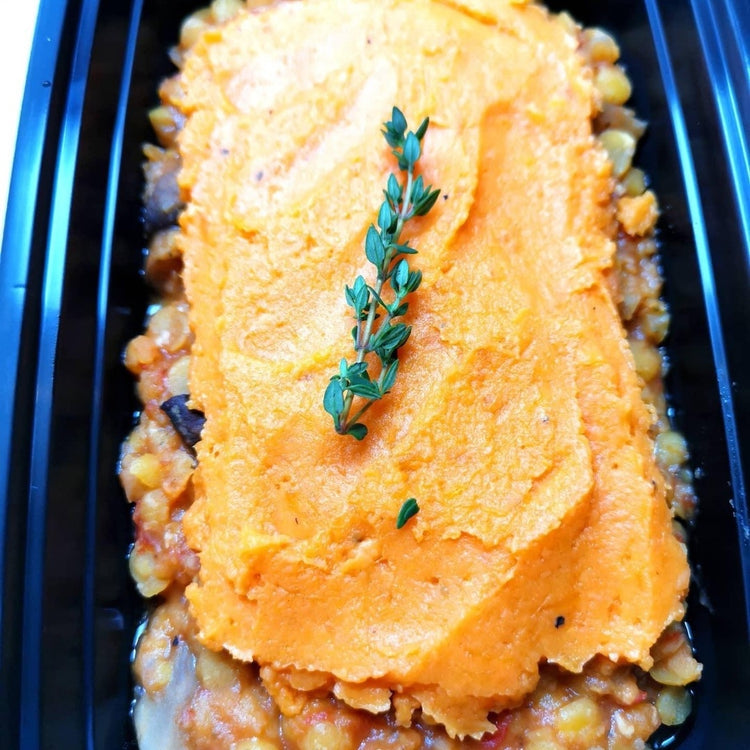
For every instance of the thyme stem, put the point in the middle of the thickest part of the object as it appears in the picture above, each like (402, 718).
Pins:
(387, 254)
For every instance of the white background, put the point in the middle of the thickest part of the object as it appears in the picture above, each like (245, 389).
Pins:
(16, 32)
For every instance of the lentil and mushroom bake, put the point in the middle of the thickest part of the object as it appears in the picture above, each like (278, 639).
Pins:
(536, 599)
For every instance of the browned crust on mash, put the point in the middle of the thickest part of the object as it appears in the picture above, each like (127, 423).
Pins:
(220, 702)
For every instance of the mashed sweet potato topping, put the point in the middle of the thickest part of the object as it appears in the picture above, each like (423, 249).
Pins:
(516, 420)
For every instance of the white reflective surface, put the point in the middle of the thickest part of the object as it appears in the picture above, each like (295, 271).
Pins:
(16, 33)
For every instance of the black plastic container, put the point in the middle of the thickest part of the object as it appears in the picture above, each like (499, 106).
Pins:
(71, 295)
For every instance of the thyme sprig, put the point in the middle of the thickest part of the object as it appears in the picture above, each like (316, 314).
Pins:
(385, 250)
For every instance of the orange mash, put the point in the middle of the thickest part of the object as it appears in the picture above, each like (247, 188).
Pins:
(516, 420)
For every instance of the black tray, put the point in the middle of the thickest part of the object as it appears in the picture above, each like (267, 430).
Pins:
(71, 294)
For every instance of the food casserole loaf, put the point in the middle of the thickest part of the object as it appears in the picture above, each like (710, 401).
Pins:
(545, 533)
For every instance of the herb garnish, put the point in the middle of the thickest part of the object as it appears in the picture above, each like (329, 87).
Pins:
(384, 251)
(408, 509)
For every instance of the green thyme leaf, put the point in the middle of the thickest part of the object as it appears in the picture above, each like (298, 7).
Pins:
(417, 190)
(365, 389)
(393, 191)
(357, 369)
(415, 279)
(386, 217)
(399, 121)
(404, 249)
(409, 509)
(389, 377)
(374, 248)
(349, 293)
(391, 337)
(422, 129)
(333, 400)
(412, 150)
(377, 297)
(361, 294)
(426, 203)
(357, 430)
(398, 311)
(400, 276)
